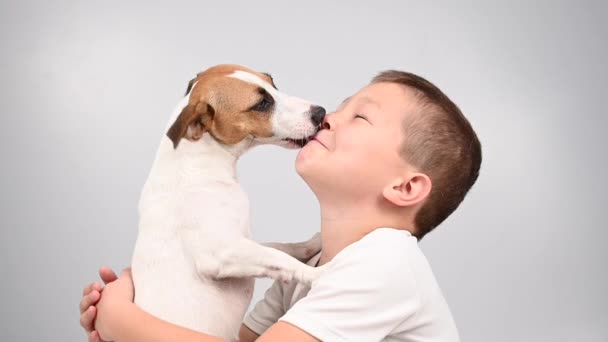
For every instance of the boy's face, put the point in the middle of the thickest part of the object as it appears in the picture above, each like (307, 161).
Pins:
(357, 154)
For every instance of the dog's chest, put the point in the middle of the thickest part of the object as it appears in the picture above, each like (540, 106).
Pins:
(165, 274)
(216, 210)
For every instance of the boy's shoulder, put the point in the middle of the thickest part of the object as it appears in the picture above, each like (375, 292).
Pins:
(392, 234)
(390, 246)
(382, 281)
(389, 236)
(387, 255)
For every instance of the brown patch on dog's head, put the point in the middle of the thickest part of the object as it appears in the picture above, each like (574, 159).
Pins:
(228, 108)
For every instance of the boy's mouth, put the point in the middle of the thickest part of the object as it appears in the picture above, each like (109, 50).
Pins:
(319, 141)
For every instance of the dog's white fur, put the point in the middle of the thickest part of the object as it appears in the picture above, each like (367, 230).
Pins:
(193, 261)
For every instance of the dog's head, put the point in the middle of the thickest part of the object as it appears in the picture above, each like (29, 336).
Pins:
(232, 103)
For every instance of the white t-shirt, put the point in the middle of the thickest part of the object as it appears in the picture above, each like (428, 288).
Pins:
(380, 288)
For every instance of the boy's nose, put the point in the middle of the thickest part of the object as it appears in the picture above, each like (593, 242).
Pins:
(329, 122)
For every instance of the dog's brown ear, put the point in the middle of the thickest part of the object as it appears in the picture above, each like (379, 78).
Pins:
(191, 123)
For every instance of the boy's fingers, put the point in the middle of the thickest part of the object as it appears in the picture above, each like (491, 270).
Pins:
(87, 318)
(89, 300)
(91, 287)
(87, 289)
(107, 275)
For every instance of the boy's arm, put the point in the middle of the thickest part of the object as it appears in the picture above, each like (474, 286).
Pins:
(247, 335)
(283, 331)
(137, 325)
(267, 311)
(119, 319)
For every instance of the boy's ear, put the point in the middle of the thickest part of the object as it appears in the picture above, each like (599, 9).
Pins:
(408, 191)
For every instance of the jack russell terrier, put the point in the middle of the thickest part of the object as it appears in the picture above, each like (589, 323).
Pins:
(194, 261)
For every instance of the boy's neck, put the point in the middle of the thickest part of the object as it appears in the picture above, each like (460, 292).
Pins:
(344, 225)
(337, 234)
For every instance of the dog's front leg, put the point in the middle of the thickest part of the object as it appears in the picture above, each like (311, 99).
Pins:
(300, 250)
(246, 258)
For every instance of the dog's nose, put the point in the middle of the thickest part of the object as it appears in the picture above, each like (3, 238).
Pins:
(317, 114)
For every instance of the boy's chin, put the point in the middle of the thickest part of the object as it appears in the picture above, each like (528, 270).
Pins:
(316, 172)
(303, 164)
(303, 170)
(310, 173)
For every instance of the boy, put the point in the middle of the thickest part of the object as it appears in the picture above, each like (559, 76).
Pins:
(393, 162)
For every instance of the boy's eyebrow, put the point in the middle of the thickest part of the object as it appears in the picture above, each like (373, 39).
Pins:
(361, 99)
(369, 100)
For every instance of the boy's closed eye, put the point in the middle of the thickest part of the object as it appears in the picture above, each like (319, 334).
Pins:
(362, 116)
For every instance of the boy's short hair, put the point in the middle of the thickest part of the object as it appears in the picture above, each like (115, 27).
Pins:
(440, 142)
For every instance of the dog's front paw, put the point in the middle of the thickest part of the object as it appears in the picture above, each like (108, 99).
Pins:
(231, 264)
(307, 274)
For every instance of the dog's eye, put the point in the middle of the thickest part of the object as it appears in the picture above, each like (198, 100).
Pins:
(264, 104)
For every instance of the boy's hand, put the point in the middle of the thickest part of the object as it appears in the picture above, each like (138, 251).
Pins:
(116, 296)
(90, 296)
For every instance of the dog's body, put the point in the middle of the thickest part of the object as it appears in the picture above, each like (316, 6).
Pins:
(193, 260)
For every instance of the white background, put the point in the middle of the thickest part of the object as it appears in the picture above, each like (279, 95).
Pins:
(87, 88)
